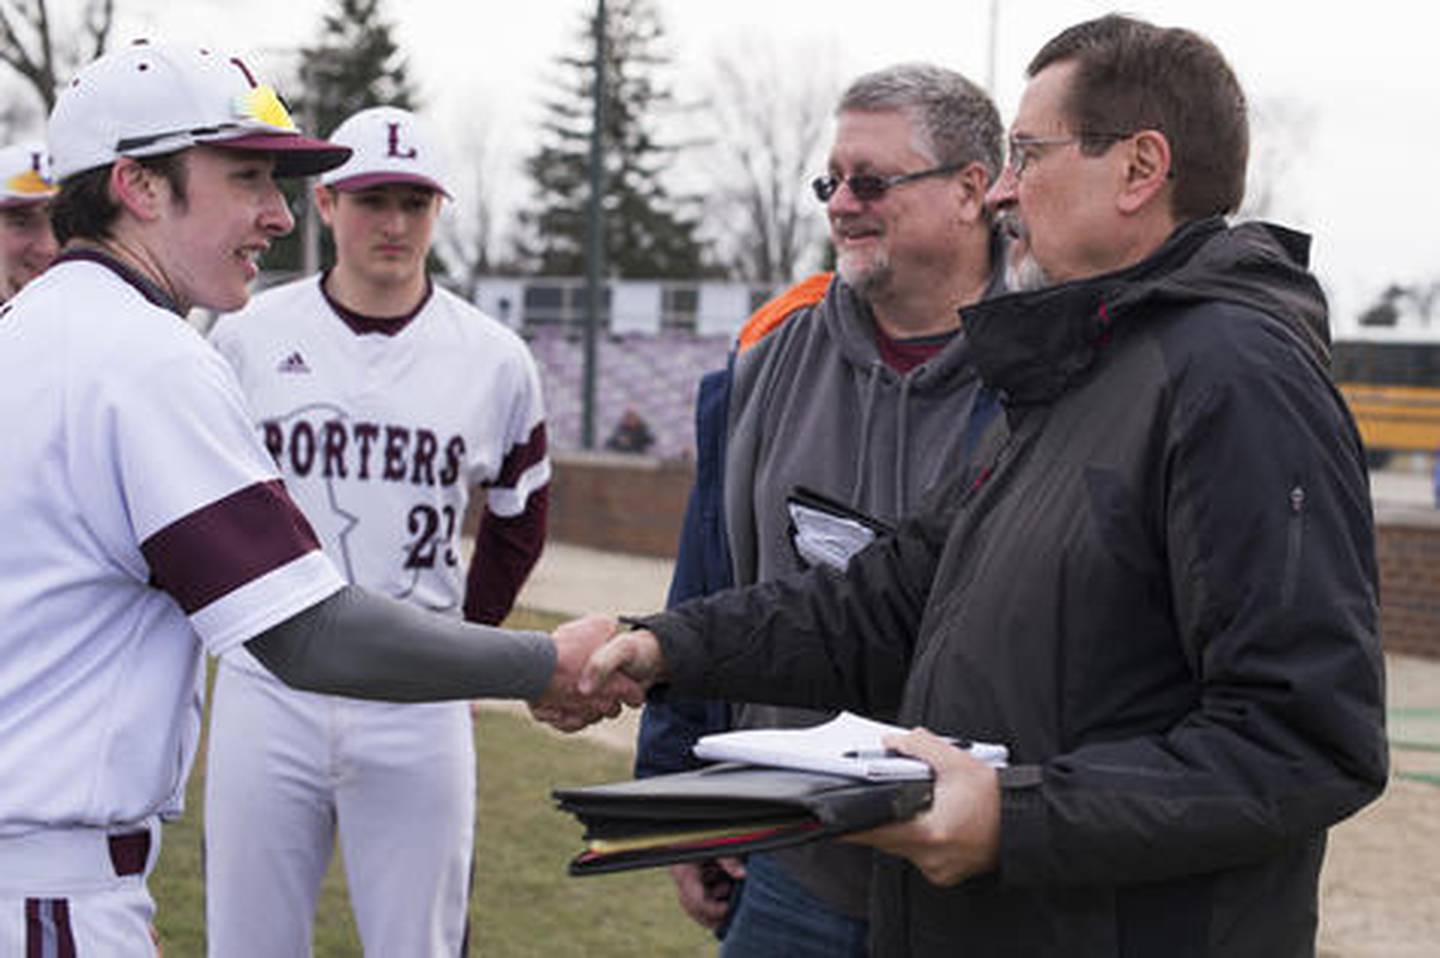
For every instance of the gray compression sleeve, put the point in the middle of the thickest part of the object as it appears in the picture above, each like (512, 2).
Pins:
(369, 646)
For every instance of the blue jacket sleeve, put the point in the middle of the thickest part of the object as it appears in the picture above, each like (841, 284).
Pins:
(1437, 480)
(669, 727)
(982, 414)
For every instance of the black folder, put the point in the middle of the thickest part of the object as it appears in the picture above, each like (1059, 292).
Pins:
(728, 809)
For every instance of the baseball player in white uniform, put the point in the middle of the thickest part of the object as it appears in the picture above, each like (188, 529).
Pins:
(144, 522)
(27, 244)
(385, 400)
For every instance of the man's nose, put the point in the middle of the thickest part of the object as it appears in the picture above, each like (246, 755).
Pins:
(1002, 192)
(46, 244)
(275, 216)
(843, 200)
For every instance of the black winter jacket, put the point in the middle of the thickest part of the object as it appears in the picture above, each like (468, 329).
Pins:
(1159, 590)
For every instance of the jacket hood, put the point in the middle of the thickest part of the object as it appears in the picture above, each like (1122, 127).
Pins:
(852, 326)
(1033, 344)
(1261, 265)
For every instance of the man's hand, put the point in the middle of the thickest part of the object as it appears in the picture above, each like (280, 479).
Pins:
(635, 655)
(565, 705)
(705, 888)
(959, 835)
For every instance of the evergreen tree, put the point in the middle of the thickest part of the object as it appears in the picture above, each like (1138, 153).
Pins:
(356, 63)
(648, 233)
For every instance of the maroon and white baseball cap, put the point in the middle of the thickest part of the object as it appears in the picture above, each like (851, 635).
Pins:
(390, 145)
(25, 175)
(149, 99)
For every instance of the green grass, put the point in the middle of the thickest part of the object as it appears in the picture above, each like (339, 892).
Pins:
(524, 904)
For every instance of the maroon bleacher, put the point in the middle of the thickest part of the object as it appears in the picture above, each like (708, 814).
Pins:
(654, 374)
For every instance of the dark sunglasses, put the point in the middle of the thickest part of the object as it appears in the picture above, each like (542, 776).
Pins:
(867, 187)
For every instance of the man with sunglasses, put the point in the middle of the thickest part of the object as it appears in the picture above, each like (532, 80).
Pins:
(857, 388)
(1159, 588)
(144, 522)
(27, 243)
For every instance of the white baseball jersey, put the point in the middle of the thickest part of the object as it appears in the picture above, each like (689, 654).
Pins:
(142, 520)
(382, 427)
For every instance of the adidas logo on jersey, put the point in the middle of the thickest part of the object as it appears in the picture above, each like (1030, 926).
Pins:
(294, 363)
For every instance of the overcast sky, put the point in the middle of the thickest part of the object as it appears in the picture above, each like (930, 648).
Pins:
(1357, 83)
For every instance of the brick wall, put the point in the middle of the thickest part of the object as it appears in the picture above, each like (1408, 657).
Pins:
(620, 503)
(635, 504)
(1408, 547)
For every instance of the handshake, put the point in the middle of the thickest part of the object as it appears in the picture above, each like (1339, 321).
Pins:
(598, 668)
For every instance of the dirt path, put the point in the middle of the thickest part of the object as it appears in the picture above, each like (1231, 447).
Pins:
(1380, 891)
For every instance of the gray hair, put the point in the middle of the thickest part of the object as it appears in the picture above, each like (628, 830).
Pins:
(955, 120)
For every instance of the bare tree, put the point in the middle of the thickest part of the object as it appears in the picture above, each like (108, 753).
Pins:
(18, 115)
(467, 237)
(45, 52)
(769, 120)
(1427, 299)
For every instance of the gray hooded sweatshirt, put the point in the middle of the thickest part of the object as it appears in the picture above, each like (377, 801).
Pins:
(813, 405)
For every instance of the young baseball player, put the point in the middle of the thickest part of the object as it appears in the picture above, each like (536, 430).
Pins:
(385, 400)
(144, 522)
(27, 244)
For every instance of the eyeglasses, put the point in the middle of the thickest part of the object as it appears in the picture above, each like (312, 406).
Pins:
(1023, 149)
(867, 187)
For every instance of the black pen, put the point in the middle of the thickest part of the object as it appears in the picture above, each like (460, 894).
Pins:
(865, 753)
(869, 753)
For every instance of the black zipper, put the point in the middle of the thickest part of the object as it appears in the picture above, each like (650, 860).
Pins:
(1293, 541)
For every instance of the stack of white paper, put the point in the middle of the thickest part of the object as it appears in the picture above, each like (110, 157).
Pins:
(825, 539)
(846, 745)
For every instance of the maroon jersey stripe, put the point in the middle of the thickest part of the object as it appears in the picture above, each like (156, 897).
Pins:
(34, 932)
(506, 549)
(47, 928)
(520, 458)
(64, 936)
(361, 324)
(222, 546)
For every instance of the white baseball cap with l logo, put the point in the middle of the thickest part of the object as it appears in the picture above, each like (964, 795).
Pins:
(25, 175)
(390, 145)
(150, 99)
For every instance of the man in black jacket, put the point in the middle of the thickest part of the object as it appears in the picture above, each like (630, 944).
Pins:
(1159, 586)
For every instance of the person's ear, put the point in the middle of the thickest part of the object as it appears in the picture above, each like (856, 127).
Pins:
(972, 183)
(1147, 170)
(139, 190)
(325, 200)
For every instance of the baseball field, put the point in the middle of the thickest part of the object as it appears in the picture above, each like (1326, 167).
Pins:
(1379, 894)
